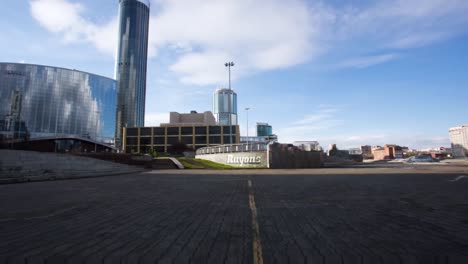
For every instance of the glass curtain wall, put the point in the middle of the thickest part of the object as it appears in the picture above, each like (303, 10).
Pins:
(42, 101)
(131, 64)
(225, 106)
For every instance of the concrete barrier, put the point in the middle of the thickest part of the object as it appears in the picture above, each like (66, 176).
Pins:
(240, 159)
(286, 157)
(276, 156)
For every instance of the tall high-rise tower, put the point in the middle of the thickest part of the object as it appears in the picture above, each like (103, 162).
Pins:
(225, 107)
(130, 71)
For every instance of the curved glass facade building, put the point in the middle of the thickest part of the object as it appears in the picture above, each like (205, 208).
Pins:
(131, 64)
(41, 101)
(225, 106)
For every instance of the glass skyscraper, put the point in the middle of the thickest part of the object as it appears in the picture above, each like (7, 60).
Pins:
(131, 64)
(42, 101)
(225, 107)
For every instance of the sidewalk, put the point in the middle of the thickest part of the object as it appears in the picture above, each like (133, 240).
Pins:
(25, 166)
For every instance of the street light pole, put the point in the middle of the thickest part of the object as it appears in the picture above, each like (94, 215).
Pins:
(229, 65)
(247, 110)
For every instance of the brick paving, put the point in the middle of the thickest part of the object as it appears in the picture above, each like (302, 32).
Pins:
(188, 218)
(363, 218)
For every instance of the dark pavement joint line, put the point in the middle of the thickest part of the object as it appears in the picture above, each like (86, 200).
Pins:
(256, 243)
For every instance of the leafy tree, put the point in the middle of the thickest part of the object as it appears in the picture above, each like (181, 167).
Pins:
(178, 148)
(153, 153)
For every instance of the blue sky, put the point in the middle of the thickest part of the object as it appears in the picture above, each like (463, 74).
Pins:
(346, 72)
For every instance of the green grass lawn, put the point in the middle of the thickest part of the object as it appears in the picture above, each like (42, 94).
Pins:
(190, 163)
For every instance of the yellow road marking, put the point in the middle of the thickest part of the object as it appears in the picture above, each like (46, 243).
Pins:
(256, 243)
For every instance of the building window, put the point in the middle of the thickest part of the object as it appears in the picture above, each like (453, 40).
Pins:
(159, 131)
(132, 141)
(200, 140)
(132, 132)
(200, 130)
(215, 130)
(187, 140)
(145, 141)
(226, 130)
(172, 140)
(226, 140)
(158, 141)
(172, 131)
(145, 131)
(215, 140)
(187, 130)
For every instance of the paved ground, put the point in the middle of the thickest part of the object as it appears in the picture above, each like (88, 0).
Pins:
(303, 216)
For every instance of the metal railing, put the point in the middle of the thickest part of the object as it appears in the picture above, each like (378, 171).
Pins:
(247, 147)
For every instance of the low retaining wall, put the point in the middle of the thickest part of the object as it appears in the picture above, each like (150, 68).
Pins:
(286, 158)
(278, 156)
(256, 160)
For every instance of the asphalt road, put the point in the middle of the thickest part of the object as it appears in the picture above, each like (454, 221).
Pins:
(233, 217)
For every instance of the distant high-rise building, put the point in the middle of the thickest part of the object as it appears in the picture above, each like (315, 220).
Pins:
(225, 107)
(459, 140)
(264, 129)
(130, 71)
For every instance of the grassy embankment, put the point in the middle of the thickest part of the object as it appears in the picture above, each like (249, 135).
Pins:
(190, 163)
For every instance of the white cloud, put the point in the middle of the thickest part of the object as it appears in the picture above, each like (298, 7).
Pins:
(66, 18)
(203, 34)
(201, 68)
(200, 35)
(57, 15)
(403, 23)
(366, 61)
(257, 35)
(311, 125)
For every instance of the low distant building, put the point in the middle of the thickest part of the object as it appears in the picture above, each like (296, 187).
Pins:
(356, 154)
(441, 153)
(308, 145)
(194, 118)
(259, 139)
(366, 151)
(162, 138)
(374, 148)
(264, 129)
(334, 152)
(459, 141)
(192, 129)
(355, 151)
(388, 152)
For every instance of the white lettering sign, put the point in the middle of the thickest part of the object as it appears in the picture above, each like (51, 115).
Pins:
(243, 160)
